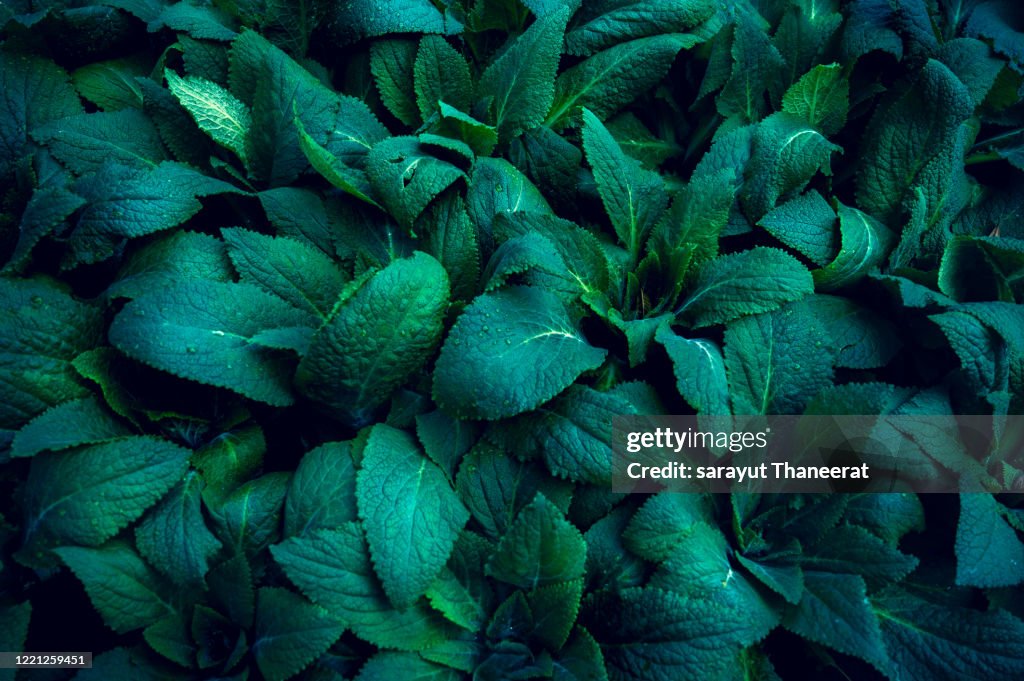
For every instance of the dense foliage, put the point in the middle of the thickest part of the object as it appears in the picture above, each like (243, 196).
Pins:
(315, 314)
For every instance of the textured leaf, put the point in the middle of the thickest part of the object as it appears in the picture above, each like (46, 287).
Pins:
(69, 424)
(122, 588)
(294, 272)
(731, 286)
(333, 568)
(174, 538)
(821, 97)
(988, 552)
(440, 74)
(521, 81)
(411, 514)
(290, 633)
(806, 224)
(377, 337)
(510, 351)
(700, 371)
(203, 331)
(865, 244)
(36, 91)
(85, 496)
(322, 491)
(928, 641)
(541, 547)
(611, 78)
(776, 362)
(407, 177)
(600, 25)
(634, 198)
(86, 142)
(834, 610)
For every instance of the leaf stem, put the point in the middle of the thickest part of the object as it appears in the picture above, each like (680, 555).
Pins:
(985, 157)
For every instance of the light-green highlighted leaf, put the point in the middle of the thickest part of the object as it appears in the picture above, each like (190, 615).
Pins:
(510, 351)
(290, 633)
(541, 547)
(377, 337)
(125, 591)
(744, 283)
(215, 110)
(85, 496)
(411, 514)
(203, 331)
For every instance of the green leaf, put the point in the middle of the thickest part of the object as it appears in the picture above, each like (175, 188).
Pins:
(634, 198)
(174, 538)
(496, 187)
(445, 440)
(905, 138)
(510, 351)
(988, 552)
(36, 91)
(203, 331)
(699, 369)
(48, 208)
(392, 62)
(496, 486)
(86, 142)
(661, 523)
(230, 460)
(333, 568)
(665, 636)
(440, 73)
(733, 285)
(165, 260)
(377, 337)
(612, 78)
(757, 66)
(215, 110)
(199, 21)
(821, 97)
(290, 633)
(70, 424)
(806, 224)
(541, 547)
(249, 519)
(42, 329)
(86, 495)
(322, 491)
(786, 155)
(606, 24)
(125, 591)
(111, 84)
(866, 243)
(580, 659)
(358, 19)
(411, 514)
(127, 204)
(835, 611)
(14, 621)
(407, 178)
(776, 362)
(927, 641)
(865, 340)
(333, 169)
(521, 81)
(452, 239)
(387, 666)
(294, 272)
